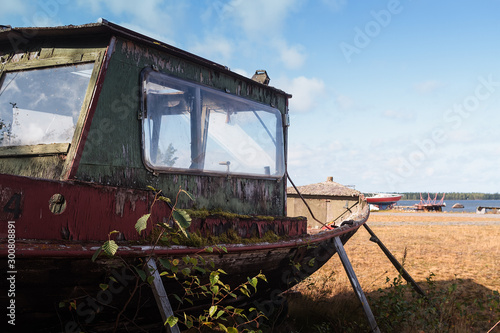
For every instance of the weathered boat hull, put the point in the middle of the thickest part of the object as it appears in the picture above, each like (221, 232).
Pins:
(48, 273)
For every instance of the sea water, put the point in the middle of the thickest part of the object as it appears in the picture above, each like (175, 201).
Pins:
(470, 206)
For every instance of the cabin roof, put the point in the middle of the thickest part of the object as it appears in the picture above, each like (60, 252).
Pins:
(105, 28)
(326, 188)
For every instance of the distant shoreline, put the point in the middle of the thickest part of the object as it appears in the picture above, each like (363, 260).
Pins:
(394, 217)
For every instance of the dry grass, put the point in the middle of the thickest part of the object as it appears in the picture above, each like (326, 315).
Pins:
(467, 256)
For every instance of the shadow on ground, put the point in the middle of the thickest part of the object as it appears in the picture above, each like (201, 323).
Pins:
(451, 306)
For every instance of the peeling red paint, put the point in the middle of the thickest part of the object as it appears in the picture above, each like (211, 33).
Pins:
(92, 211)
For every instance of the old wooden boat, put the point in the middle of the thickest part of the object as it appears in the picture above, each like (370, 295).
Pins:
(90, 117)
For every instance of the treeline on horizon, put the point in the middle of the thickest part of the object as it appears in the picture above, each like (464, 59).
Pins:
(452, 196)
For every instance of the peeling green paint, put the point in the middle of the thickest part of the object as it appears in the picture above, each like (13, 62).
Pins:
(112, 154)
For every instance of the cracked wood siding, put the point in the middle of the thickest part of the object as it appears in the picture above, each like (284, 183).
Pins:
(47, 162)
(113, 156)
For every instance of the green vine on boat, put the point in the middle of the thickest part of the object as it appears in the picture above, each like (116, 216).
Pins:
(186, 272)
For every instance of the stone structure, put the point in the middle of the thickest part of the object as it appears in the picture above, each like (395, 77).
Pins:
(328, 201)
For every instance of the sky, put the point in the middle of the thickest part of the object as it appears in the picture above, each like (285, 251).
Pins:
(388, 95)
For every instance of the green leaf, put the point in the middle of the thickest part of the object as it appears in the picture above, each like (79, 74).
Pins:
(141, 273)
(212, 310)
(311, 262)
(110, 247)
(103, 286)
(223, 327)
(188, 194)
(142, 223)
(114, 232)
(214, 278)
(62, 304)
(150, 279)
(215, 290)
(165, 263)
(183, 220)
(171, 321)
(232, 330)
(167, 200)
(253, 282)
(96, 253)
(209, 249)
(186, 271)
(151, 188)
(199, 269)
(178, 298)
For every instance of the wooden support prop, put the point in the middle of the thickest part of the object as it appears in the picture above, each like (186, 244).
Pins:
(161, 296)
(395, 262)
(355, 284)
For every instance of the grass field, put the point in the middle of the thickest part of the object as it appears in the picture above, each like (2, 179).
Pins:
(458, 265)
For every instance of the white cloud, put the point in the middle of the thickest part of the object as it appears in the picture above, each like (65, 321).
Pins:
(305, 92)
(398, 114)
(216, 48)
(335, 5)
(10, 8)
(428, 86)
(242, 72)
(153, 16)
(293, 57)
(345, 102)
(259, 17)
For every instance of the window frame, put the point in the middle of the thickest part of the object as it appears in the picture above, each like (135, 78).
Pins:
(44, 149)
(280, 162)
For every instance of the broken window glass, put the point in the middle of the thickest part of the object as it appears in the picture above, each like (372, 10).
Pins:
(194, 128)
(42, 106)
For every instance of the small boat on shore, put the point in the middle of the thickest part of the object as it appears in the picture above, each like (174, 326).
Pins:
(121, 112)
(383, 201)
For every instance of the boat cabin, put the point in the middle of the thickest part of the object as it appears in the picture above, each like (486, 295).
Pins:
(100, 109)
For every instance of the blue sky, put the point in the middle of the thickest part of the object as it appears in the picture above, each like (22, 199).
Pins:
(389, 96)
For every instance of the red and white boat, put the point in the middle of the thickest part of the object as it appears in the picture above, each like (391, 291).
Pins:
(383, 200)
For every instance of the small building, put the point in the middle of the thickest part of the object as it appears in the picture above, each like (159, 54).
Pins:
(327, 200)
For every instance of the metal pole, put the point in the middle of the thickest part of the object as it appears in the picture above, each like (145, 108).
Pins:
(394, 261)
(355, 284)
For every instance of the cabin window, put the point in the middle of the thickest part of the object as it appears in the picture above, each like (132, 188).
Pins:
(42, 106)
(189, 127)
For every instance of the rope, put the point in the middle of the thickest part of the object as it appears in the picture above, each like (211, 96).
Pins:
(304, 200)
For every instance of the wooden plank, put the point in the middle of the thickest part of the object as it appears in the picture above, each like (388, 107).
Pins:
(355, 284)
(42, 149)
(161, 296)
